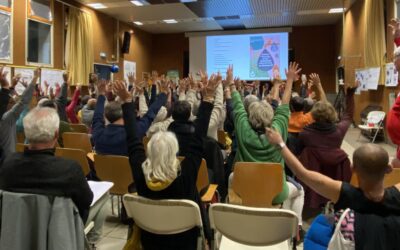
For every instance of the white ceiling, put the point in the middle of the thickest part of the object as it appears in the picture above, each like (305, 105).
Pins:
(199, 16)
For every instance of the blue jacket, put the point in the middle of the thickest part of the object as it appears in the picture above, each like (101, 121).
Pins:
(111, 139)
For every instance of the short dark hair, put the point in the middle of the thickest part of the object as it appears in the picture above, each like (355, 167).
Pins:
(113, 111)
(85, 99)
(297, 104)
(48, 104)
(181, 111)
(371, 161)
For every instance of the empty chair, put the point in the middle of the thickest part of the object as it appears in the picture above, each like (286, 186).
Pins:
(164, 216)
(373, 124)
(256, 184)
(250, 228)
(79, 128)
(78, 141)
(391, 179)
(75, 154)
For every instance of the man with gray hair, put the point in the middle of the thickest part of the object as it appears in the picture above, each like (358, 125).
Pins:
(37, 170)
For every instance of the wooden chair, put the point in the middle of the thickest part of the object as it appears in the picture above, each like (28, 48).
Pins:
(79, 128)
(221, 137)
(75, 154)
(20, 147)
(203, 182)
(391, 179)
(77, 141)
(256, 184)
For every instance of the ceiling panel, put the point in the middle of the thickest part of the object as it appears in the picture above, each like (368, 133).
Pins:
(204, 15)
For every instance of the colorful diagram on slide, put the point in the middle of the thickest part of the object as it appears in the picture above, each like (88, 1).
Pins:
(264, 57)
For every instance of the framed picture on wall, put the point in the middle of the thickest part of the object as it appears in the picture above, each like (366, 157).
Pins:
(103, 71)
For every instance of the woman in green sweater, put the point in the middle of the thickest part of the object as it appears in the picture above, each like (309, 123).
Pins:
(249, 128)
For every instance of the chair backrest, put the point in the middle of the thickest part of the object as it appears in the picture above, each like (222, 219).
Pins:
(376, 117)
(79, 128)
(115, 169)
(78, 141)
(391, 178)
(253, 226)
(202, 176)
(257, 184)
(75, 154)
(163, 216)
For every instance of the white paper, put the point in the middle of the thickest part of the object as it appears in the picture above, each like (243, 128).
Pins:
(8, 70)
(26, 76)
(52, 77)
(392, 75)
(99, 188)
(129, 67)
(373, 78)
(362, 76)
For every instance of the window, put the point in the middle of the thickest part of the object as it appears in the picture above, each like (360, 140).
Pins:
(40, 31)
(5, 30)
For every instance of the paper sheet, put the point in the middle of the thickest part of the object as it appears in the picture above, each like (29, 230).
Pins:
(99, 188)
(26, 76)
(362, 77)
(392, 76)
(373, 78)
(52, 77)
(129, 67)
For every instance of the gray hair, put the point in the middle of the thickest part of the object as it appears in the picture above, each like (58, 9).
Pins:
(113, 111)
(41, 125)
(260, 115)
(161, 163)
(249, 99)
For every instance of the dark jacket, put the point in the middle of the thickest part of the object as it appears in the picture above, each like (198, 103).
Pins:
(184, 132)
(5, 96)
(183, 187)
(111, 139)
(40, 172)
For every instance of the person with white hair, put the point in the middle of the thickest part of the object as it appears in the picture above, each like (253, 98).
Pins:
(160, 174)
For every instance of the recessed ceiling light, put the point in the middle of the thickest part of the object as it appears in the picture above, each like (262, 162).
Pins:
(170, 21)
(138, 23)
(97, 5)
(188, 1)
(336, 10)
(137, 3)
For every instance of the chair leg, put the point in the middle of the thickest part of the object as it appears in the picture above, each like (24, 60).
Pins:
(112, 204)
(119, 206)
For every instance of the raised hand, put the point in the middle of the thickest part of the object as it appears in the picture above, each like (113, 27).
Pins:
(131, 79)
(315, 80)
(78, 86)
(209, 88)
(293, 72)
(121, 91)
(229, 75)
(273, 136)
(163, 85)
(66, 77)
(101, 87)
(3, 79)
(395, 26)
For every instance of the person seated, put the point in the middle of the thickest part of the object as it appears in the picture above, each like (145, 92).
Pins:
(37, 170)
(377, 210)
(12, 110)
(87, 112)
(111, 139)
(327, 157)
(160, 174)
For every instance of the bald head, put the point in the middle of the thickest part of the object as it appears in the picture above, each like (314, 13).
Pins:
(371, 162)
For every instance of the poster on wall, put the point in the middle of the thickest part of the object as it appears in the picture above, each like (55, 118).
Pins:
(361, 76)
(392, 76)
(373, 78)
(129, 68)
(52, 77)
(26, 75)
(173, 75)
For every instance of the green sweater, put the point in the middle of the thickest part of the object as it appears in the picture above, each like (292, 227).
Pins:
(255, 148)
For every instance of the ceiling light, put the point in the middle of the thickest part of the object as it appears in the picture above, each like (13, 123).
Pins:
(336, 10)
(138, 23)
(137, 3)
(97, 5)
(188, 1)
(170, 21)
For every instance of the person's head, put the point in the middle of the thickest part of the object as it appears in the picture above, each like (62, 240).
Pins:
(249, 99)
(161, 163)
(181, 111)
(91, 103)
(296, 104)
(41, 126)
(396, 59)
(260, 116)
(113, 112)
(324, 112)
(46, 103)
(85, 99)
(371, 163)
(308, 104)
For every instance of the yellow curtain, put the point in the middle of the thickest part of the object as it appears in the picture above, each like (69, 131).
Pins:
(79, 46)
(374, 36)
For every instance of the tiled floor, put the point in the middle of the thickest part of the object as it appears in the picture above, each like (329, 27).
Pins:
(115, 233)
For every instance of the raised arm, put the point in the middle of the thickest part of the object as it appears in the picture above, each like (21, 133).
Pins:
(98, 123)
(320, 183)
(292, 74)
(61, 99)
(6, 90)
(347, 117)
(315, 81)
(70, 109)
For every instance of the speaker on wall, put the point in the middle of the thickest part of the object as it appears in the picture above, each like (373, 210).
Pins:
(126, 43)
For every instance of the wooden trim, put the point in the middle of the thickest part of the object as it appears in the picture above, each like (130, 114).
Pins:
(4, 8)
(38, 18)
